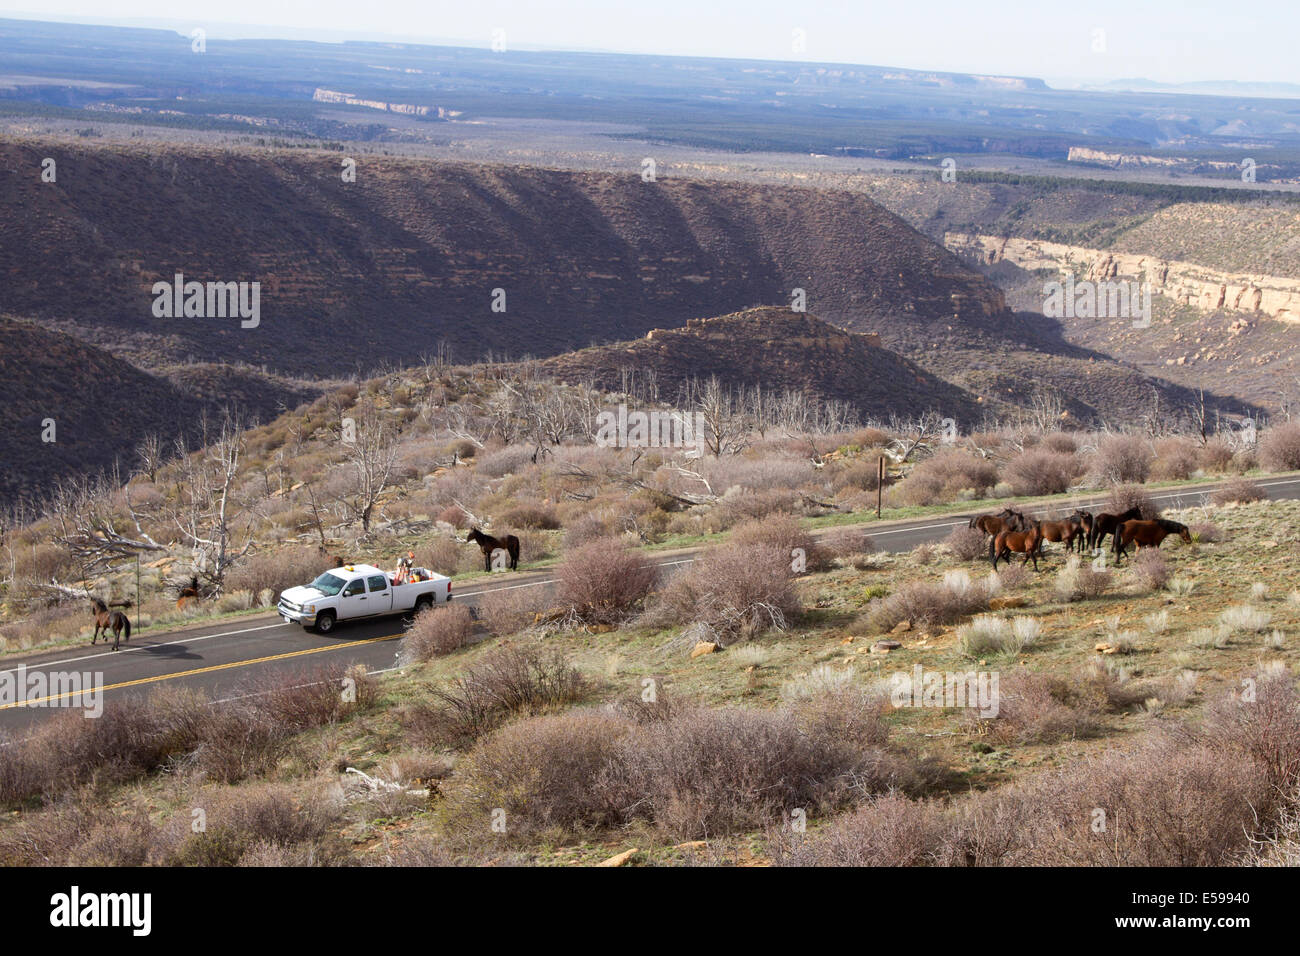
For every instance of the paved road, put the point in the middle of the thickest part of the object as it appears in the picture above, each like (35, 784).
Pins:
(228, 659)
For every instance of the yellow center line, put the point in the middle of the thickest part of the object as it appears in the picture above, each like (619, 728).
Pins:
(201, 670)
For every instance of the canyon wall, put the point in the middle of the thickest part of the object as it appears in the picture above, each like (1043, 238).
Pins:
(1186, 283)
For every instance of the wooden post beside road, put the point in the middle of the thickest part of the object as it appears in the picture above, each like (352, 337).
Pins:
(880, 483)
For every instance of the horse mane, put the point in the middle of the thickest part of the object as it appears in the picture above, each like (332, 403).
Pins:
(98, 604)
(1171, 525)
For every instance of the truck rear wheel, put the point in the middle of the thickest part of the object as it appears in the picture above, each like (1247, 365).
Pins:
(422, 603)
(325, 622)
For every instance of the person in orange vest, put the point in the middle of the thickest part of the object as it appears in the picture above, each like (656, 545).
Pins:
(403, 568)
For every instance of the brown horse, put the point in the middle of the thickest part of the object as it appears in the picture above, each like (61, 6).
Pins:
(1008, 519)
(106, 620)
(1104, 524)
(488, 545)
(1029, 543)
(1065, 531)
(1147, 534)
(1085, 521)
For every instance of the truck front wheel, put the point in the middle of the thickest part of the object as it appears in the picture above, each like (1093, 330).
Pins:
(325, 622)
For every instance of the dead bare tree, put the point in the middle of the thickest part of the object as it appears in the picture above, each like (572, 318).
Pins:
(913, 437)
(726, 430)
(208, 513)
(90, 526)
(152, 456)
(371, 454)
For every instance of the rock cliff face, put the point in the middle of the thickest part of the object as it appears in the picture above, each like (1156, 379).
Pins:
(1186, 283)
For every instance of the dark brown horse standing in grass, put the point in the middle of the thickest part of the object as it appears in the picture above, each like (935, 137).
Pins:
(1147, 534)
(1065, 531)
(1029, 543)
(106, 620)
(1008, 519)
(488, 544)
(1084, 520)
(1104, 524)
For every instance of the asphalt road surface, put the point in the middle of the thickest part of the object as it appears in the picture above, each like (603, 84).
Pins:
(230, 659)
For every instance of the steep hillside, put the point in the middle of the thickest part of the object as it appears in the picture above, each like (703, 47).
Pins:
(101, 407)
(779, 350)
(409, 255)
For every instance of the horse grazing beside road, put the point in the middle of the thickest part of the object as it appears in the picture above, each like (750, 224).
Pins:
(1104, 524)
(488, 544)
(106, 620)
(1147, 534)
(1029, 543)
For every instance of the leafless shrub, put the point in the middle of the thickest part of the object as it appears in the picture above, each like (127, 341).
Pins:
(888, 830)
(1215, 456)
(738, 592)
(1279, 447)
(258, 825)
(588, 527)
(1122, 458)
(1124, 497)
(967, 544)
(945, 476)
(1266, 728)
(1162, 804)
(733, 509)
(847, 544)
(507, 611)
(708, 772)
(604, 582)
(78, 831)
(1240, 491)
(1205, 532)
(437, 631)
(1176, 459)
(928, 603)
(507, 682)
(784, 533)
(1149, 569)
(1038, 708)
(1042, 472)
(546, 772)
(277, 570)
(1078, 581)
(529, 514)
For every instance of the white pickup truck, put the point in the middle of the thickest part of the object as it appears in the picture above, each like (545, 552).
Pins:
(360, 590)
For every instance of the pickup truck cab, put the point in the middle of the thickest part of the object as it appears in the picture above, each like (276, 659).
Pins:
(355, 591)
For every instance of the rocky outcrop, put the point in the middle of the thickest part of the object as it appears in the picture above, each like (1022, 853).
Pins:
(408, 109)
(1186, 283)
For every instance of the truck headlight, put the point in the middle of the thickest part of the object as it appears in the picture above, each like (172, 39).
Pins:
(311, 609)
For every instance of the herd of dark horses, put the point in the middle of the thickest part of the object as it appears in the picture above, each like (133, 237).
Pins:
(1013, 532)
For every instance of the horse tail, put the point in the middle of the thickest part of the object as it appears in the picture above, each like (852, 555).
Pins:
(126, 628)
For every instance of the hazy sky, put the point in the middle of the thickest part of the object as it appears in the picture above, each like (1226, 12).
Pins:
(1165, 40)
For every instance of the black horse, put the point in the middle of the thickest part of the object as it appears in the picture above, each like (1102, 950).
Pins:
(488, 544)
(1104, 524)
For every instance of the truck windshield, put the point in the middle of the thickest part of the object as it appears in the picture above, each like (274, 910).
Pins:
(328, 584)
